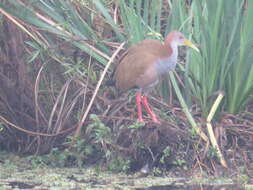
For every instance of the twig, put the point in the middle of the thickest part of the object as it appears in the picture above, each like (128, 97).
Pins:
(210, 128)
(77, 132)
(32, 132)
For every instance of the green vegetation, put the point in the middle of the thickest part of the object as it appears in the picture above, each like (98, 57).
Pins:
(224, 30)
(58, 51)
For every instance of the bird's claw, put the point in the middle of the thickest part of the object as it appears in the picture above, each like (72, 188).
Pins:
(156, 121)
(140, 121)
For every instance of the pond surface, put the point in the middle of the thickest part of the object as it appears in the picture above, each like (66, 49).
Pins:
(18, 173)
(87, 179)
(195, 187)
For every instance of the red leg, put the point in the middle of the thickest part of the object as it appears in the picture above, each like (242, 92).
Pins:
(149, 110)
(139, 109)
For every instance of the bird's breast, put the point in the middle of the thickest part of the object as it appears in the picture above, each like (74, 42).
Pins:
(167, 64)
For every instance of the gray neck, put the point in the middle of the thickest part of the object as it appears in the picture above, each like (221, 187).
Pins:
(169, 63)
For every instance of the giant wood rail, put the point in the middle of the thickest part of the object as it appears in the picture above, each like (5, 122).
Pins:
(142, 65)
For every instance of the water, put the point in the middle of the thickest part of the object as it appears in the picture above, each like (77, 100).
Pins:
(195, 187)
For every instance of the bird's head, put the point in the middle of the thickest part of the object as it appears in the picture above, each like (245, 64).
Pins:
(177, 38)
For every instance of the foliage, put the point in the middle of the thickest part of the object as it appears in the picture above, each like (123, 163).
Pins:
(166, 153)
(79, 151)
(223, 30)
(119, 164)
(74, 39)
(157, 171)
(97, 130)
(74, 156)
(243, 179)
(102, 135)
(1, 126)
(56, 158)
(136, 125)
(212, 153)
(64, 21)
(179, 162)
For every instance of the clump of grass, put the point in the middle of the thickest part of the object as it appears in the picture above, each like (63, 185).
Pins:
(223, 30)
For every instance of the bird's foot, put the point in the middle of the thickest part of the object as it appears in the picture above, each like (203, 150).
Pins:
(156, 121)
(140, 120)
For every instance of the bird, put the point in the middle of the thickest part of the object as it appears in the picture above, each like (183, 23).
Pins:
(142, 65)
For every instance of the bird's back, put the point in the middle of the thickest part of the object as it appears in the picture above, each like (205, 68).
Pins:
(137, 67)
